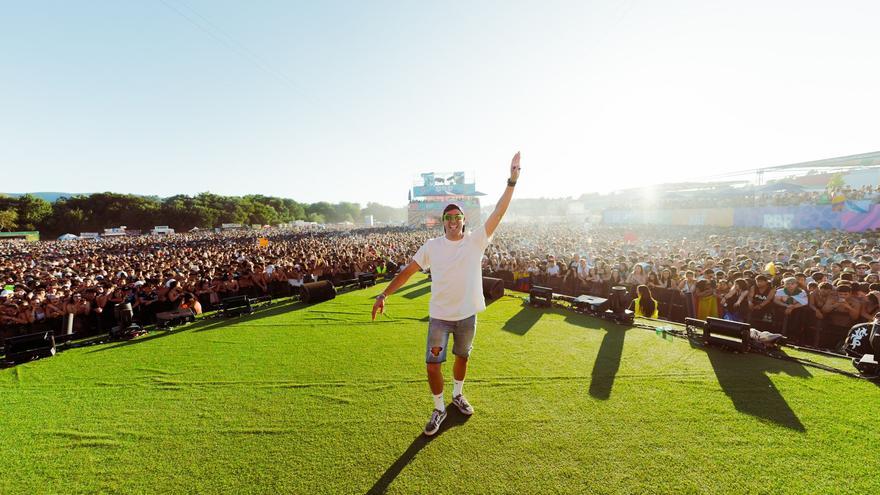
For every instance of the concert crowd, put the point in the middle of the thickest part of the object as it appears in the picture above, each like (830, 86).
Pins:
(810, 285)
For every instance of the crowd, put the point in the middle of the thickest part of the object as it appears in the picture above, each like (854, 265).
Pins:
(811, 285)
(44, 281)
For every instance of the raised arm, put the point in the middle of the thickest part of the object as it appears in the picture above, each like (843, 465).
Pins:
(500, 208)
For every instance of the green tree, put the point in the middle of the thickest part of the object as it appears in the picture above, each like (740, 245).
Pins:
(32, 211)
(8, 219)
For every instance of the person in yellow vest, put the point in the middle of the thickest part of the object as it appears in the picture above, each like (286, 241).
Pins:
(381, 269)
(645, 305)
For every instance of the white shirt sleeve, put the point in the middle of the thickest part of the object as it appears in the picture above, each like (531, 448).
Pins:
(421, 257)
(482, 239)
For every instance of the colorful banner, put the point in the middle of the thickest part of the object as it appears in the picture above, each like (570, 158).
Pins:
(855, 216)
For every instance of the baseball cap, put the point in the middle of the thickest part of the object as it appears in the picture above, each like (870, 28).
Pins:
(452, 206)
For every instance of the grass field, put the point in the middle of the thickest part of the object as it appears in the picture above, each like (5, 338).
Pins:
(319, 399)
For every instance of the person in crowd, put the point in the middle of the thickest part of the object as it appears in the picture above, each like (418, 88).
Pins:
(706, 300)
(645, 305)
(687, 286)
(638, 276)
(794, 300)
(843, 312)
(761, 304)
(188, 300)
(736, 301)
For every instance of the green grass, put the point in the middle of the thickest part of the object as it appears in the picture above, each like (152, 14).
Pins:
(318, 399)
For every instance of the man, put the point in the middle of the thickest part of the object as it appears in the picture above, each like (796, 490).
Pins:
(456, 295)
(842, 313)
(791, 297)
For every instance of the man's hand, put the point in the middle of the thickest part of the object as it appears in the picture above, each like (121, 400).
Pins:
(514, 167)
(378, 306)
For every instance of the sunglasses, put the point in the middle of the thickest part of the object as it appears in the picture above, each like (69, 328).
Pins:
(449, 217)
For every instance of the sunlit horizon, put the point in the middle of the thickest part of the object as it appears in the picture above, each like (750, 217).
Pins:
(345, 101)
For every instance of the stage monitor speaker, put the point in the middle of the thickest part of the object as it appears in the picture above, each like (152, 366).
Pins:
(592, 304)
(540, 296)
(366, 280)
(315, 292)
(493, 288)
(24, 348)
(237, 306)
(725, 333)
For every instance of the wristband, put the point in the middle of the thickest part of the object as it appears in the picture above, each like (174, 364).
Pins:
(511, 183)
(381, 297)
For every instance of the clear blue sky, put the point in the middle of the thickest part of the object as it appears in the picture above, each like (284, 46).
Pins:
(351, 100)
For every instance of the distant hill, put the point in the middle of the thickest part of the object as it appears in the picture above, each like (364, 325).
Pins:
(48, 196)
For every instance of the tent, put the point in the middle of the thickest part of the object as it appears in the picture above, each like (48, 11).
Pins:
(67, 237)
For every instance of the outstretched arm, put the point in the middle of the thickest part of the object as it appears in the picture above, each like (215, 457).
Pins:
(396, 283)
(495, 218)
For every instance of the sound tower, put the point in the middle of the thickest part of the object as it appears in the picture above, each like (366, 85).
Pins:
(315, 292)
(493, 288)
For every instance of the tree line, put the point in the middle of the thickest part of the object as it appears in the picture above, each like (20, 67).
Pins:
(95, 212)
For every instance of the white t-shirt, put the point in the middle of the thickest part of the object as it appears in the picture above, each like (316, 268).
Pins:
(456, 279)
(800, 297)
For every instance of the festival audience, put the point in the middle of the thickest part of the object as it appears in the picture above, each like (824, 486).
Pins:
(831, 276)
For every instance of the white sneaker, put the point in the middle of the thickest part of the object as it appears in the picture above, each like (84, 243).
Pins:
(463, 405)
(433, 425)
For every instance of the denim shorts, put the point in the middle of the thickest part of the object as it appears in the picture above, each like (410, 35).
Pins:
(462, 331)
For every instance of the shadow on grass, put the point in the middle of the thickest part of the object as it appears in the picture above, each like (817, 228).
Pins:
(607, 362)
(415, 294)
(212, 323)
(455, 418)
(523, 321)
(744, 379)
(405, 287)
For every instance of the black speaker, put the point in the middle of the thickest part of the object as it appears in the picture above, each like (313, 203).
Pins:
(237, 306)
(540, 296)
(366, 280)
(591, 304)
(493, 288)
(725, 333)
(24, 348)
(315, 292)
(619, 299)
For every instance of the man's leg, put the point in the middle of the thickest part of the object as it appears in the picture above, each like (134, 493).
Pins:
(435, 377)
(435, 355)
(459, 369)
(464, 339)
